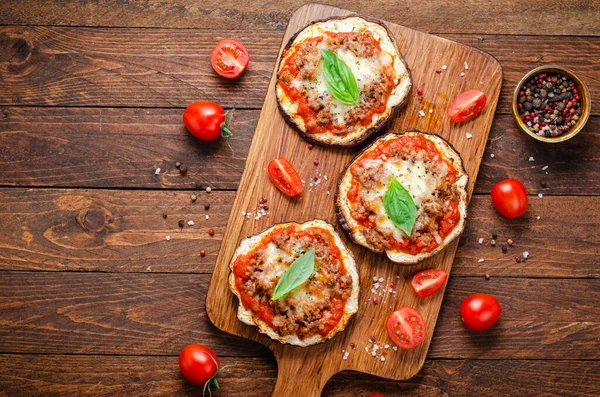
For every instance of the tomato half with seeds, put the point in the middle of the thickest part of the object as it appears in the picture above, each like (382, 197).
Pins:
(510, 198)
(285, 177)
(229, 58)
(428, 282)
(480, 311)
(467, 105)
(406, 327)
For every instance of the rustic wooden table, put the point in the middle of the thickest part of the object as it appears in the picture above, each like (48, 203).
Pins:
(95, 301)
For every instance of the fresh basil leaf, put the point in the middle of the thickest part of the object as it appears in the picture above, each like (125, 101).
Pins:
(298, 272)
(400, 207)
(339, 79)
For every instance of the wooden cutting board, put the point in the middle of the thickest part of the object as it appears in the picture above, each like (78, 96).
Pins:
(304, 371)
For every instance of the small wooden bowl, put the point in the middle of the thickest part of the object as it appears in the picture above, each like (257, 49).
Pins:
(584, 93)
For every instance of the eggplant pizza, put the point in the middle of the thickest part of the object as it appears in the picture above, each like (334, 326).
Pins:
(313, 309)
(340, 80)
(405, 194)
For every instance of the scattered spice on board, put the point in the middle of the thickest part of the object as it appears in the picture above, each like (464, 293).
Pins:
(177, 164)
(207, 206)
(420, 91)
(164, 215)
(211, 231)
(183, 169)
(202, 253)
(549, 104)
(181, 223)
(194, 197)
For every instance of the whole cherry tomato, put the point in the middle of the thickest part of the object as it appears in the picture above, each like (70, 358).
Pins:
(480, 311)
(207, 121)
(510, 198)
(199, 364)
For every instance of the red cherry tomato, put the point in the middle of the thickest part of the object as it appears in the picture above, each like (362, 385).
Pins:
(406, 327)
(480, 311)
(510, 198)
(206, 121)
(285, 177)
(467, 105)
(428, 282)
(198, 364)
(229, 58)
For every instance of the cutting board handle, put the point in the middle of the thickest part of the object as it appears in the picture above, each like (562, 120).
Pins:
(298, 379)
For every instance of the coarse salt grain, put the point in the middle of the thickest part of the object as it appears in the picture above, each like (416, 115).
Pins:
(538, 217)
(492, 155)
(544, 168)
(382, 358)
(525, 254)
(386, 346)
(157, 171)
(481, 260)
(540, 195)
(480, 241)
(394, 348)
(380, 279)
(375, 278)
(421, 113)
(190, 223)
(444, 67)
(469, 135)
(206, 216)
(462, 74)
(531, 158)
(466, 65)
(430, 110)
(168, 238)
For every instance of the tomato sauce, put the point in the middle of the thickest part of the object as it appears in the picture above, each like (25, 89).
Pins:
(266, 312)
(446, 223)
(307, 114)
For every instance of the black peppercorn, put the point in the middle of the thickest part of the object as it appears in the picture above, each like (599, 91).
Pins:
(183, 169)
(181, 223)
(207, 206)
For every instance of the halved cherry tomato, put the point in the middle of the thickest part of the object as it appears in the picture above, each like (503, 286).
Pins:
(428, 282)
(406, 327)
(480, 311)
(510, 198)
(229, 58)
(285, 177)
(467, 105)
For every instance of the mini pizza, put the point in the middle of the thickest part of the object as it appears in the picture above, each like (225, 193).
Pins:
(340, 80)
(311, 312)
(405, 194)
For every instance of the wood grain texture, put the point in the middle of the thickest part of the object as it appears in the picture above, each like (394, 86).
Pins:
(52, 66)
(35, 375)
(312, 366)
(581, 17)
(158, 314)
(55, 230)
(53, 147)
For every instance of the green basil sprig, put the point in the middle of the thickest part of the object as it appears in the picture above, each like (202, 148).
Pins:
(300, 270)
(400, 207)
(339, 78)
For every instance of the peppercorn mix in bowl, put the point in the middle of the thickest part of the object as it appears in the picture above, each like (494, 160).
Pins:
(551, 104)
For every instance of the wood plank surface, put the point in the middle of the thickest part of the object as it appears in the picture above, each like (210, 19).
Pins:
(34, 375)
(579, 17)
(304, 371)
(54, 147)
(158, 314)
(56, 66)
(66, 230)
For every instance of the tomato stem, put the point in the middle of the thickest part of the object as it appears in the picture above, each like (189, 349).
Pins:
(225, 131)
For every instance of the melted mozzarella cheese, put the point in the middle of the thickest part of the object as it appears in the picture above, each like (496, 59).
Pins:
(413, 176)
(277, 262)
(365, 70)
